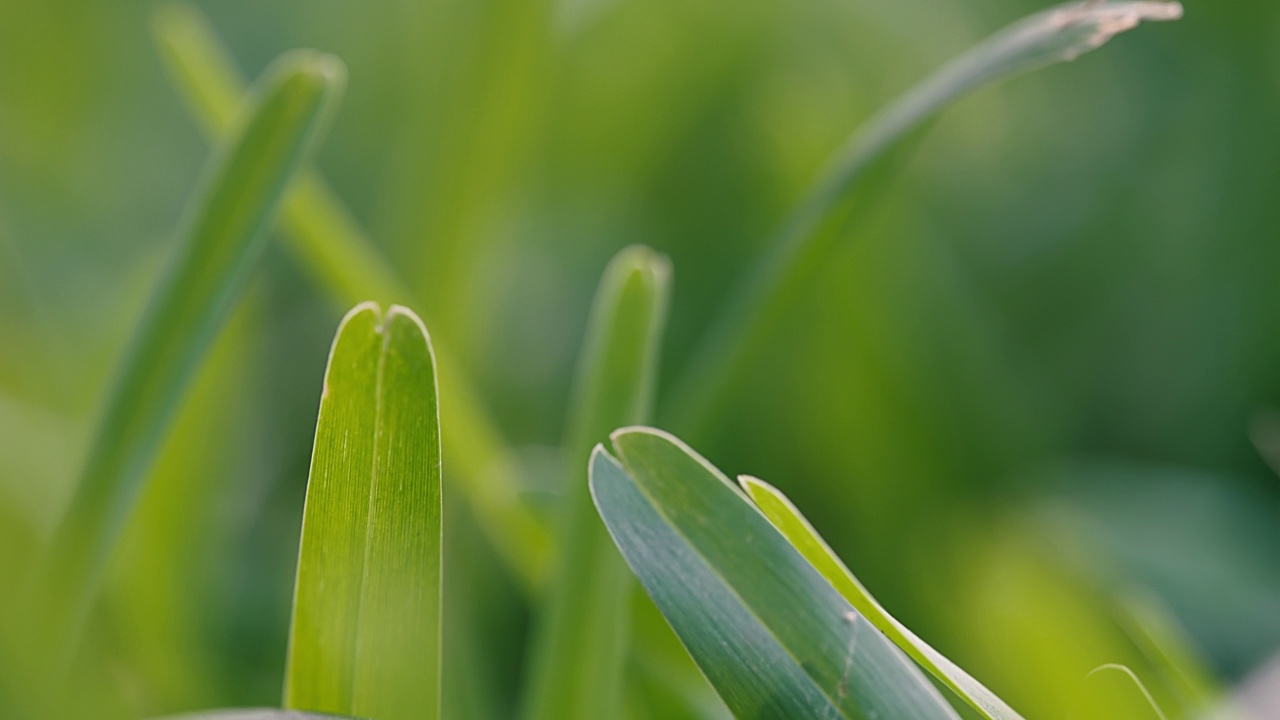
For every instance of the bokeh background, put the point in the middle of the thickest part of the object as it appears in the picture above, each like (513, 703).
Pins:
(1036, 375)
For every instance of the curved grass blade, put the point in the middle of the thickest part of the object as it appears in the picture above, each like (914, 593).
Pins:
(579, 651)
(330, 245)
(1060, 34)
(772, 636)
(1131, 683)
(223, 235)
(801, 534)
(365, 636)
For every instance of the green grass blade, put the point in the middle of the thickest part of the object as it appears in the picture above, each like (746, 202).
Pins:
(332, 247)
(772, 636)
(224, 233)
(580, 648)
(796, 528)
(1059, 34)
(1129, 684)
(365, 637)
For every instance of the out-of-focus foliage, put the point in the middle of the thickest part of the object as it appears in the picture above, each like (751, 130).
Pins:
(1029, 378)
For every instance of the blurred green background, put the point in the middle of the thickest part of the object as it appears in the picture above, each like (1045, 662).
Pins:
(1037, 373)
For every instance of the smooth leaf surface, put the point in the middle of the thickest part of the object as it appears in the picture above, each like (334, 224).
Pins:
(772, 636)
(222, 237)
(252, 714)
(1060, 34)
(580, 649)
(796, 528)
(365, 637)
(330, 245)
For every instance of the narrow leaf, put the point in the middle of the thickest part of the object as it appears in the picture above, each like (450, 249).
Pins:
(1060, 34)
(222, 237)
(1166, 646)
(328, 243)
(772, 636)
(580, 648)
(365, 637)
(1131, 685)
(796, 528)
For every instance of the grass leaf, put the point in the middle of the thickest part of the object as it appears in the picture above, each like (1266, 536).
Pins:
(1130, 682)
(330, 245)
(579, 651)
(772, 636)
(365, 637)
(796, 528)
(1060, 34)
(222, 237)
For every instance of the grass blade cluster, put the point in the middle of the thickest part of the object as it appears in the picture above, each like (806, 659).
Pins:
(786, 517)
(222, 237)
(770, 633)
(365, 637)
(1060, 34)
(330, 245)
(579, 651)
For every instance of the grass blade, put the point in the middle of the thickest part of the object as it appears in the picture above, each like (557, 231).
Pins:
(580, 649)
(330, 245)
(365, 637)
(1060, 34)
(796, 528)
(772, 636)
(223, 235)
(1130, 682)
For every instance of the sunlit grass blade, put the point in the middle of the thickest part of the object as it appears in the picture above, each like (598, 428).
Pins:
(1060, 34)
(772, 636)
(1129, 683)
(365, 637)
(796, 528)
(223, 235)
(579, 650)
(330, 245)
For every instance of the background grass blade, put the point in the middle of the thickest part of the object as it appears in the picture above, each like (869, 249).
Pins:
(773, 637)
(332, 247)
(579, 651)
(365, 638)
(1126, 679)
(1060, 34)
(796, 528)
(222, 237)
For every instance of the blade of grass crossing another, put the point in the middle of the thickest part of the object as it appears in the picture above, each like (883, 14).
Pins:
(365, 636)
(1060, 34)
(801, 534)
(579, 651)
(330, 245)
(222, 237)
(771, 635)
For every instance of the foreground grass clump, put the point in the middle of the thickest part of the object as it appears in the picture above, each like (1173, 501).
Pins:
(776, 622)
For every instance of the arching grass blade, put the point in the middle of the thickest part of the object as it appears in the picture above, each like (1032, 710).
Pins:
(1060, 34)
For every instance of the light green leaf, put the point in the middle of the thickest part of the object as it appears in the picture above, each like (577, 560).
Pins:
(255, 714)
(579, 650)
(772, 636)
(796, 528)
(222, 237)
(330, 245)
(1060, 34)
(365, 637)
